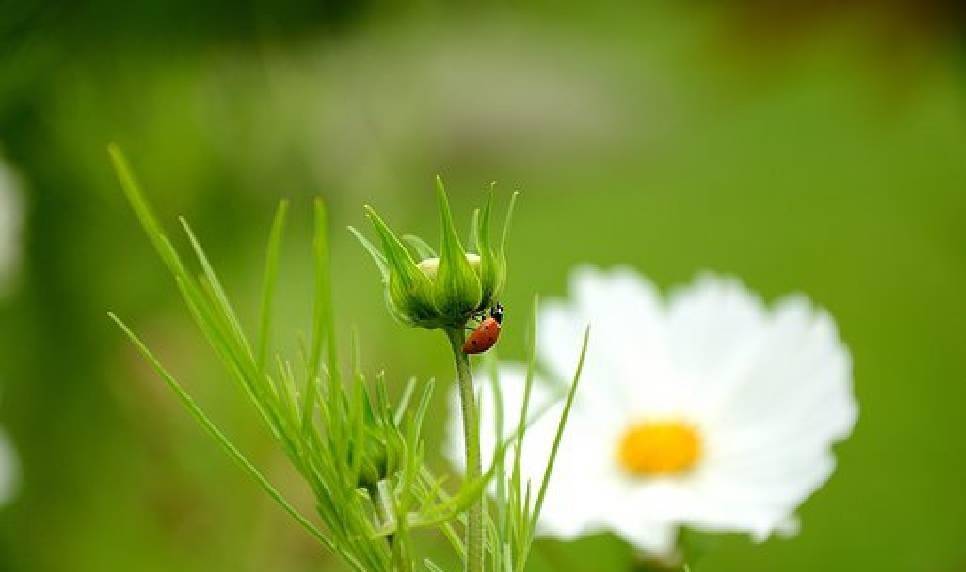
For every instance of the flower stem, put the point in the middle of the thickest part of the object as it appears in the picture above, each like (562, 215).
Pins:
(471, 440)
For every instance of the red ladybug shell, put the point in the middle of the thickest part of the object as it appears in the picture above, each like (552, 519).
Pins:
(483, 337)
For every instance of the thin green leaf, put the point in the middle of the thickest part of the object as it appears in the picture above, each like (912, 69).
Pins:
(403, 402)
(422, 408)
(527, 389)
(270, 281)
(220, 298)
(541, 494)
(142, 208)
(324, 294)
(501, 499)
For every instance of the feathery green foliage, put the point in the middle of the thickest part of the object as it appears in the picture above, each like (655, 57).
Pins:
(361, 456)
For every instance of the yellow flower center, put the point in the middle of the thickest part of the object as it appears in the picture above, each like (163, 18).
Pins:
(659, 448)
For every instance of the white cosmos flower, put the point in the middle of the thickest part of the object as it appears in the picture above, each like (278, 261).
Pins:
(11, 220)
(705, 409)
(11, 216)
(9, 470)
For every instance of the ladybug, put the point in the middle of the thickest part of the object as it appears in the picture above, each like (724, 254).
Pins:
(486, 334)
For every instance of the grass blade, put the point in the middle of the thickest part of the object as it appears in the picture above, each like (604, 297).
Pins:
(541, 494)
(270, 281)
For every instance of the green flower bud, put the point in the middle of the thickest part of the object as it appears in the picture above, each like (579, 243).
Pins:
(440, 291)
(374, 463)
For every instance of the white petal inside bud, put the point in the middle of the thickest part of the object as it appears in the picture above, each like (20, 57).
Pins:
(430, 266)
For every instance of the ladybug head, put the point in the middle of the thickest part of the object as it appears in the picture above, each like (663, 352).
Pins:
(496, 312)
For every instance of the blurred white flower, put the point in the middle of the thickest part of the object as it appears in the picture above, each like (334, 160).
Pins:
(708, 410)
(11, 220)
(11, 217)
(8, 469)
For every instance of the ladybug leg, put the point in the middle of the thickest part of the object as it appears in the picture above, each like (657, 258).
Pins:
(478, 317)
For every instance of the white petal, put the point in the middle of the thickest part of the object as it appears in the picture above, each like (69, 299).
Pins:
(755, 499)
(788, 528)
(770, 438)
(655, 538)
(628, 342)
(714, 324)
(797, 390)
(560, 329)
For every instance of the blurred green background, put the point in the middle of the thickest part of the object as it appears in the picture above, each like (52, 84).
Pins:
(803, 146)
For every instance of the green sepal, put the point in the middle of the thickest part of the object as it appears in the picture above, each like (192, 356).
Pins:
(457, 288)
(409, 291)
(506, 227)
(471, 244)
(492, 267)
(377, 256)
(427, 290)
(422, 249)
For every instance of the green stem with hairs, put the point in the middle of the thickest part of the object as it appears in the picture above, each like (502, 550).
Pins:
(471, 441)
